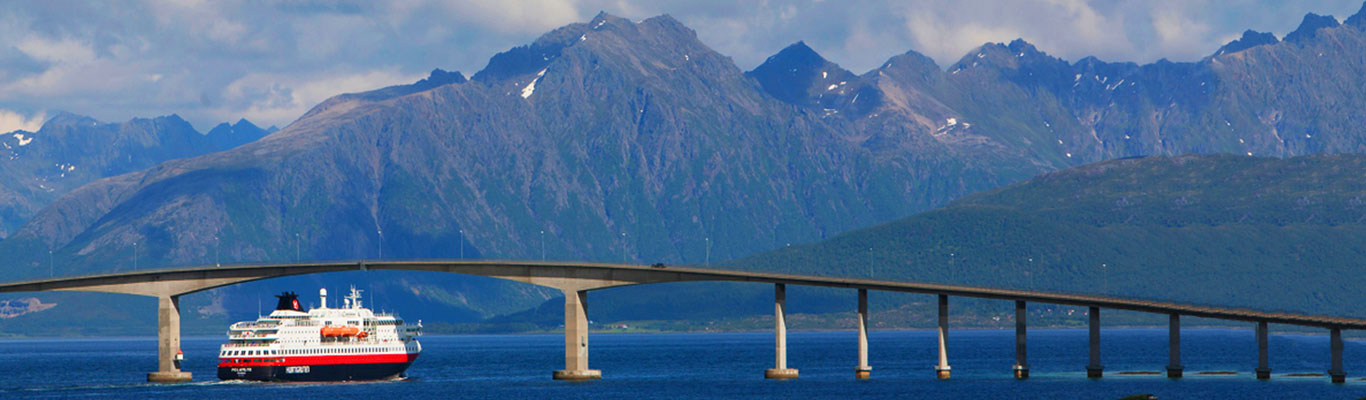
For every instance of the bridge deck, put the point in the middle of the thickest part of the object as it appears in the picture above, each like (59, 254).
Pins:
(645, 274)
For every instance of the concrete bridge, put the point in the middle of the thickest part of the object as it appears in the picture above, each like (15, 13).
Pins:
(577, 279)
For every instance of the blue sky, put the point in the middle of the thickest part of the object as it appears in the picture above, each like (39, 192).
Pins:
(270, 61)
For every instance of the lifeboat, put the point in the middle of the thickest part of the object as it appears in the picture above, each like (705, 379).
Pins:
(342, 331)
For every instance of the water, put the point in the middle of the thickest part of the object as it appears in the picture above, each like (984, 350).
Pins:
(723, 365)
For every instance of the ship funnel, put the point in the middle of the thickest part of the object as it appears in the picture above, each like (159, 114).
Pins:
(322, 293)
(288, 301)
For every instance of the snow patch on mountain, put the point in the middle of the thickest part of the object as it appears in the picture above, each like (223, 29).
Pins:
(531, 87)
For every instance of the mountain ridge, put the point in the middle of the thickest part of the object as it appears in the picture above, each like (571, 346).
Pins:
(70, 150)
(626, 141)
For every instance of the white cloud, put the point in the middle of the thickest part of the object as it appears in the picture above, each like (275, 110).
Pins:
(11, 121)
(524, 16)
(1178, 35)
(64, 51)
(946, 42)
(271, 99)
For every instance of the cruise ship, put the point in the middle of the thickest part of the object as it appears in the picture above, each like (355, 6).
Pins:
(350, 343)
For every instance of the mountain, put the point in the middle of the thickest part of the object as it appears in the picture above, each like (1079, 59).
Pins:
(1224, 230)
(616, 140)
(1249, 40)
(1310, 27)
(227, 136)
(799, 76)
(71, 150)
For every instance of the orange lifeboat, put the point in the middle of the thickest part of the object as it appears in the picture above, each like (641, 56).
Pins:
(340, 331)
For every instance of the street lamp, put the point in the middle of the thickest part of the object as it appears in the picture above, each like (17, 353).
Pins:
(297, 256)
(623, 247)
(870, 262)
(1105, 276)
(543, 245)
(49, 263)
(708, 256)
(462, 244)
(380, 232)
(135, 255)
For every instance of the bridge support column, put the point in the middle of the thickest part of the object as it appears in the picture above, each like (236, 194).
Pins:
(780, 369)
(576, 339)
(863, 370)
(1021, 367)
(168, 342)
(1174, 367)
(1335, 344)
(942, 370)
(1094, 369)
(1263, 366)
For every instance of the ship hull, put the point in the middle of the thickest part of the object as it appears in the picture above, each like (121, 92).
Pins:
(314, 373)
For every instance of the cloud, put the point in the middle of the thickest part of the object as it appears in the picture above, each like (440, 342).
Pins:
(523, 16)
(1179, 35)
(946, 42)
(11, 121)
(275, 99)
(64, 51)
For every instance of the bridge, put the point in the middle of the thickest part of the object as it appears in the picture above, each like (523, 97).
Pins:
(577, 279)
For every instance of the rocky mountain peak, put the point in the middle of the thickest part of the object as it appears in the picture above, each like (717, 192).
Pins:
(1357, 20)
(910, 62)
(1309, 28)
(607, 33)
(1249, 40)
(798, 75)
(1022, 48)
(1017, 54)
(68, 119)
(227, 136)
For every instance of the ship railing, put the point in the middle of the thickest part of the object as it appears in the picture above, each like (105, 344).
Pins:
(254, 336)
(254, 325)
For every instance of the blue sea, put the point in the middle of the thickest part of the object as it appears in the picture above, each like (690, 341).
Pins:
(723, 365)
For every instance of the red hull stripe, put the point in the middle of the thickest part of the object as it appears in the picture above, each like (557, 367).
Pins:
(317, 360)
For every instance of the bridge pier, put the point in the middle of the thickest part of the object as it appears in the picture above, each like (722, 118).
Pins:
(1174, 367)
(1335, 344)
(1094, 369)
(780, 369)
(168, 342)
(576, 339)
(863, 370)
(1021, 367)
(942, 370)
(1263, 366)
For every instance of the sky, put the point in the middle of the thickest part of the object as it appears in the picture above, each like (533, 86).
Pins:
(270, 61)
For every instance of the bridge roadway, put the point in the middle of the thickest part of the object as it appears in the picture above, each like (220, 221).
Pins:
(575, 279)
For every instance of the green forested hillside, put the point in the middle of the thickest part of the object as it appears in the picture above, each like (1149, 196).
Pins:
(1280, 234)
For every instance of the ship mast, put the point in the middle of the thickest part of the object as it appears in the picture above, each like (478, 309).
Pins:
(354, 297)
